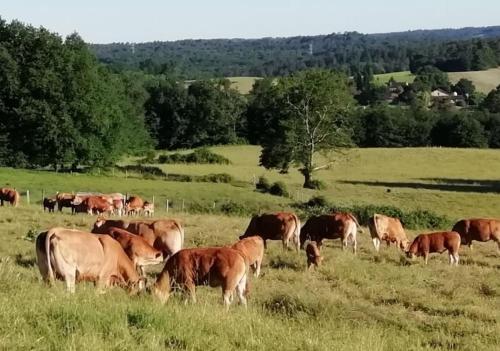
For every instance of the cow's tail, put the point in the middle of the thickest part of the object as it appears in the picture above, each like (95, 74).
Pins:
(181, 231)
(15, 201)
(375, 221)
(356, 222)
(296, 231)
(50, 277)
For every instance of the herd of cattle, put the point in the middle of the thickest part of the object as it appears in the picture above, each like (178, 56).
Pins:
(115, 251)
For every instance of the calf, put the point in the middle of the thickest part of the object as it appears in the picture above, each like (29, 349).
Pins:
(49, 204)
(137, 249)
(148, 209)
(64, 200)
(252, 248)
(215, 266)
(313, 255)
(436, 242)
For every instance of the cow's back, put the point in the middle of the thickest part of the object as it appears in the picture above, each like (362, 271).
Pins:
(479, 229)
(252, 248)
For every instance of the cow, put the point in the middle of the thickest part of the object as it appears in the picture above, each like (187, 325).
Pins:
(337, 225)
(284, 226)
(313, 255)
(10, 195)
(64, 200)
(137, 249)
(479, 229)
(252, 248)
(166, 235)
(49, 204)
(133, 205)
(92, 204)
(73, 255)
(387, 229)
(118, 208)
(439, 242)
(148, 209)
(215, 266)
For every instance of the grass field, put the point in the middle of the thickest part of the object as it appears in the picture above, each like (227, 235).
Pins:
(485, 81)
(243, 84)
(367, 302)
(402, 77)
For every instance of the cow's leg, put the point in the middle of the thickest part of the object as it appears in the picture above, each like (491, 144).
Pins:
(226, 298)
(456, 258)
(240, 290)
(426, 257)
(190, 290)
(376, 243)
(285, 244)
(452, 259)
(70, 279)
(257, 264)
(265, 244)
(354, 245)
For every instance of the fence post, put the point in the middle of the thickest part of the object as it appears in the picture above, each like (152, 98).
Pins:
(153, 200)
(28, 196)
(43, 195)
(182, 205)
(167, 205)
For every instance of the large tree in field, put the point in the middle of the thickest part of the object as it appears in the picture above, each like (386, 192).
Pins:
(312, 109)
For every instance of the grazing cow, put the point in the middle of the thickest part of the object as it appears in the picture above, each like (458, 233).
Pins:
(118, 208)
(314, 257)
(479, 229)
(49, 204)
(387, 229)
(133, 205)
(284, 226)
(252, 248)
(9, 195)
(137, 249)
(215, 266)
(435, 242)
(337, 225)
(148, 209)
(64, 200)
(72, 255)
(166, 235)
(91, 204)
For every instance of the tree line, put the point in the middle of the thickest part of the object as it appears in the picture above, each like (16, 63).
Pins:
(448, 49)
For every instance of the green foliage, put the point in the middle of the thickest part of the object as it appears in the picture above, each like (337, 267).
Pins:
(279, 189)
(459, 130)
(317, 184)
(199, 156)
(59, 107)
(430, 78)
(311, 114)
(492, 101)
(263, 184)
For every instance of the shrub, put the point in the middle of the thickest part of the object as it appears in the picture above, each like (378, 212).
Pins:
(279, 189)
(317, 184)
(263, 184)
(317, 201)
(200, 156)
(216, 178)
(233, 208)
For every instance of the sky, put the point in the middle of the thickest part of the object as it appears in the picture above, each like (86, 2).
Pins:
(105, 21)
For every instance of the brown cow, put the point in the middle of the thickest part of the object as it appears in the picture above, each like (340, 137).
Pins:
(252, 248)
(49, 204)
(166, 235)
(387, 229)
(64, 200)
(137, 249)
(284, 226)
(479, 229)
(314, 257)
(133, 205)
(215, 266)
(436, 242)
(337, 225)
(9, 195)
(73, 255)
(91, 204)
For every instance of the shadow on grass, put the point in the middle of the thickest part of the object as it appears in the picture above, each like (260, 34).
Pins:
(26, 262)
(440, 184)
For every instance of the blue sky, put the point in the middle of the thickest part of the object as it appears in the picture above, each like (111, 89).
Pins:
(147, 20)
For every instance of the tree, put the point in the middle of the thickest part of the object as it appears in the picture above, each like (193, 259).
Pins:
(465, 87)
(492, 101)
(430, 78)
(312, 109)
(459, 130)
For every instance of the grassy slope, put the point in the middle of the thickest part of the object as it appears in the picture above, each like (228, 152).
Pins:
(485, 81)
(354, 303)
(403, 76)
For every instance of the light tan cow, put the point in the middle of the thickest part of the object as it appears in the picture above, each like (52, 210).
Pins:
(389, 230)
(148, 209)
(252, 249)
(73, 255)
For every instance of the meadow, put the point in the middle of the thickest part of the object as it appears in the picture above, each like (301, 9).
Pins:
(485, 81)
(369, 301)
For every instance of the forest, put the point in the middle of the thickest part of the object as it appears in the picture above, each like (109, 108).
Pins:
(448, 49)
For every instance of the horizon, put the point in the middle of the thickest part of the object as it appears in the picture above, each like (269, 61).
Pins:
(127, 22)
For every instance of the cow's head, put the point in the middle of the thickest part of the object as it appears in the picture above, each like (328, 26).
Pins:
(161, 289)
(137, 287)
(405, 245)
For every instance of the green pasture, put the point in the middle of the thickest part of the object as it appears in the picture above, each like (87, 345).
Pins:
(365, 302)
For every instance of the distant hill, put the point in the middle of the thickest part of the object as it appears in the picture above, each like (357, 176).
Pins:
(385, 52)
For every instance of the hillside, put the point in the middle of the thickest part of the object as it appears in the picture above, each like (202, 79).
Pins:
(485, 81)
(388, 52)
